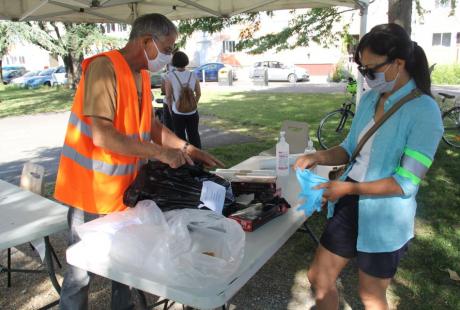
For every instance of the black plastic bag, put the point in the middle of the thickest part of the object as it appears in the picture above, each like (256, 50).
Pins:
(173, 188)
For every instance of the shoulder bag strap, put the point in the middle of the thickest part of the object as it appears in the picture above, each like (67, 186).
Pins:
(189, 77)
(413, 94)
(180, 85)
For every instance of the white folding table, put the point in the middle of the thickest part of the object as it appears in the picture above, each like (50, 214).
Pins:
(260, 246)
(25, 217)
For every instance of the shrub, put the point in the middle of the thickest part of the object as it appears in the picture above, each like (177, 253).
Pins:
(446, 74)
(340, 73)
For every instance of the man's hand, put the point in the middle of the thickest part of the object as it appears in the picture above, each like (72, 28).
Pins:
(174, 157)
(207, 159)
(335, 190)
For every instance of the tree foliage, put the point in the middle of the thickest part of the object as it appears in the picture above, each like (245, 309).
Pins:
(212, 24)
(72, 42)
(315, 25)
(9, 33)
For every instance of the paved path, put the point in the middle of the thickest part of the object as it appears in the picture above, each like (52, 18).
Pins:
(39, 138)
(316, 85)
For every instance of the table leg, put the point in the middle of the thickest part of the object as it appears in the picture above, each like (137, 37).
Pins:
(307, 229)
(9, 268)
(50, 265)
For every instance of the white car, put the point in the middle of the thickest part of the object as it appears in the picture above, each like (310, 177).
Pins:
(279, 72)
(20, 81)
(59, 76)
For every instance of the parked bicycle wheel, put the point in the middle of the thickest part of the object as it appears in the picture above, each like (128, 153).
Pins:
(334, 127)
(451, 122)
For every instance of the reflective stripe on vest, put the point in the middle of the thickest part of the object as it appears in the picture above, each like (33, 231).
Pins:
(97, 165)
(86, 129)
(80, 125)
(414, 166)
(145, 136)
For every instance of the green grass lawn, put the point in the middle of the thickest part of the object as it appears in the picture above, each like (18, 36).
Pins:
(422, 281)
(20, 101)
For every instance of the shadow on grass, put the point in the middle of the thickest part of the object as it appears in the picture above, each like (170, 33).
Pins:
(437, 243)
(422, 281)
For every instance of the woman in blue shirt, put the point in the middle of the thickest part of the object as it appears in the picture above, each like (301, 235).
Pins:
(374, 212)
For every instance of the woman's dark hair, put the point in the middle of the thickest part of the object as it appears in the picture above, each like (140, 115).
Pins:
(179, 60)
(393, 41)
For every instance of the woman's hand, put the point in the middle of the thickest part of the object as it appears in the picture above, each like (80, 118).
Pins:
(207, 159)
(335, 190)
(307, 161)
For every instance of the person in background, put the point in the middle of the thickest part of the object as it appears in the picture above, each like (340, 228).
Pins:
(185, 124)
(111, 131)
(167, 117)
(374, 214)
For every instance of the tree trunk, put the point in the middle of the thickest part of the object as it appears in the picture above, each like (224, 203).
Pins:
(400, 12)
(73, 68)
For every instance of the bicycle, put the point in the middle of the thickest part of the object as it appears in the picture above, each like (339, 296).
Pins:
(451, 121)
(334, 127)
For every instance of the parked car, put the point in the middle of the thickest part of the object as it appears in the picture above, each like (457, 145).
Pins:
(20, 81)
(280, 72)
(211, 71)
(5, 69)
(59, 77)
(9, 75)
(45, 78)
(155, 79)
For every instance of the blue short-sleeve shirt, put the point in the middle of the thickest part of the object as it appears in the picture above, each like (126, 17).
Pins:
(386, 223)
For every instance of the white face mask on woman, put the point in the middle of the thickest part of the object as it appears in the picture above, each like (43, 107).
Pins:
(161, 60)
(379, 83)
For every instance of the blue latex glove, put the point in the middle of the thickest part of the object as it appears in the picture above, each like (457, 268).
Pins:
(312, 197)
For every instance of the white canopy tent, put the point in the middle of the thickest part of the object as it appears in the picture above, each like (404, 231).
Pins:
(125, 11)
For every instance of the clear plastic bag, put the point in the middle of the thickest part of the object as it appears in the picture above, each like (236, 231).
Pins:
(186, 248)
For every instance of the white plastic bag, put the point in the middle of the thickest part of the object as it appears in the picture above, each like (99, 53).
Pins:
(216, 247)
(187, 248)
(98, 234)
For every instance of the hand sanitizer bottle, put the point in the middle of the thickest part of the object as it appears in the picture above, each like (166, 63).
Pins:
(310, 148)
(282, 156)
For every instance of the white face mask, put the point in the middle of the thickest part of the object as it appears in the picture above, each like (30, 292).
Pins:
(161, 60)
(379, 84)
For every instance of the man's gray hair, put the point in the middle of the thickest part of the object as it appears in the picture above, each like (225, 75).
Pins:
(153, 24)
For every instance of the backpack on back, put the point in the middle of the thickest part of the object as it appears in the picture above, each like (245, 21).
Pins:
(187, 101)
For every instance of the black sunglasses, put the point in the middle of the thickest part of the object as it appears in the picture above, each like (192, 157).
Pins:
(370, 72)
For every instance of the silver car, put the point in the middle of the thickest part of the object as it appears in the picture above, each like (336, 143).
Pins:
(280, 72)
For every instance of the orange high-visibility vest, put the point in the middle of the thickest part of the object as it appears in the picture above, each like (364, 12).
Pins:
(92, 178)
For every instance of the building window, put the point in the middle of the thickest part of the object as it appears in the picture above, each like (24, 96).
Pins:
(436, 39)
(441, 39)
(446, 39)
(442, 4)
(228, 47)
(122, 27)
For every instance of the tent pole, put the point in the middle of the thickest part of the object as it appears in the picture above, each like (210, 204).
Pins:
(33, 10)
(362, 32)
